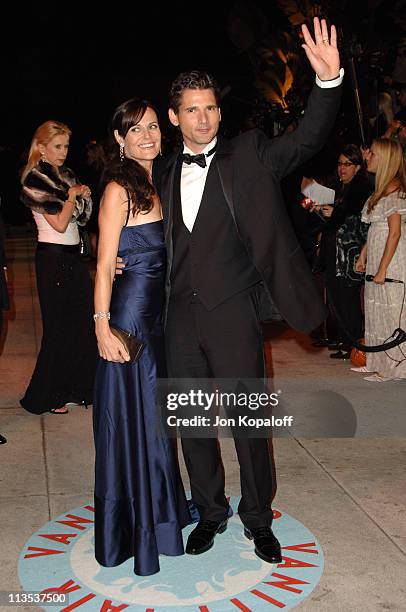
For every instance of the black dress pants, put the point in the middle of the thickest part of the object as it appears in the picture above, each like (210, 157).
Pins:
(222, 343)
(346, 300)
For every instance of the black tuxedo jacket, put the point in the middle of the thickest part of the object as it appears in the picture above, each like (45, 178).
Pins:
(250, 168)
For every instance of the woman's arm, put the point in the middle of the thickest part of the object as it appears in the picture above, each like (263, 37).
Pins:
(111, 220)
(394, 223)
(60, 221)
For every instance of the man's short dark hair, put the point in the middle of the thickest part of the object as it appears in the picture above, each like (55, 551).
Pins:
(191, 80)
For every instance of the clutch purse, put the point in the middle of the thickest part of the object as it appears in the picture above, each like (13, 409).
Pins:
(132, 344)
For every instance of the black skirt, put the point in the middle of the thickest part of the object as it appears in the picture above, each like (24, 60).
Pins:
(65, 367)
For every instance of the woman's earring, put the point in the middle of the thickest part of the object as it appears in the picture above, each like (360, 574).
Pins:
(121, 152)
(160, 151)
(43, 158)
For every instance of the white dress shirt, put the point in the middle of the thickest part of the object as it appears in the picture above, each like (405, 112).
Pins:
(332, 83)
(193, 180)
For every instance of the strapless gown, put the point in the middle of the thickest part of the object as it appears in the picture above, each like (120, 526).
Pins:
(140, 504)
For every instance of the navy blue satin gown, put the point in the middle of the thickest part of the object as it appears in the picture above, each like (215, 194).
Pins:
(140, 504)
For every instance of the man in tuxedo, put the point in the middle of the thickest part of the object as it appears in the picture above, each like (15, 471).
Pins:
(229, 238)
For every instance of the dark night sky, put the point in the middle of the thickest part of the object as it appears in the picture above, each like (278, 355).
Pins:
(77, 63)
(76, 66)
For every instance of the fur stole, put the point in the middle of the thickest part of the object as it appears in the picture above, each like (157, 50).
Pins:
(45, 190)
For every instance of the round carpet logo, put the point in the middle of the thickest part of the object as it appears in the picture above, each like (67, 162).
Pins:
(59, 558)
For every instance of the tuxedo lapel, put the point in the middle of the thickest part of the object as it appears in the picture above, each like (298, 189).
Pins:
(225, 171)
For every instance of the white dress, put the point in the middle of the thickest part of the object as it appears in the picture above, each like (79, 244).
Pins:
(385, 305)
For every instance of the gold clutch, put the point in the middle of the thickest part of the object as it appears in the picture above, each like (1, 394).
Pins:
(132, 345)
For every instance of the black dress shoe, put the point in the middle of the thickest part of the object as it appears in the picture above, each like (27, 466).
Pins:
(321, 342)
(333, 345)
(341, 355)
(3, 440)
(267, 546)
(202, 537)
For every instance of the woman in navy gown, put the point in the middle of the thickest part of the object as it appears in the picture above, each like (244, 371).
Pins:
(140, 504)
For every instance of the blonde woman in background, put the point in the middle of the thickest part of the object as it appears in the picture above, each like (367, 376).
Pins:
(384, 256)
(64, 371)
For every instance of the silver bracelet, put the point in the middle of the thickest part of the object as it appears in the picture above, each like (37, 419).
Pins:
(101, 315)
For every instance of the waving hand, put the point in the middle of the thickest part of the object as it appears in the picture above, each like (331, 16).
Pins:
(322, 52)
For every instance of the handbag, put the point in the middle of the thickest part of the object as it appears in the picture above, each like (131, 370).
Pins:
(132, 344)
(85, 245)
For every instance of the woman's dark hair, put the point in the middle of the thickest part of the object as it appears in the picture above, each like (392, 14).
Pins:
(191, 80)
(353, 153)
(127, 172)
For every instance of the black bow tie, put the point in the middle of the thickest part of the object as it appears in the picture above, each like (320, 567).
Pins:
(199, 159)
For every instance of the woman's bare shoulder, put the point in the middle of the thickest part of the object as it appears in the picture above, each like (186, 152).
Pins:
(114, 189)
